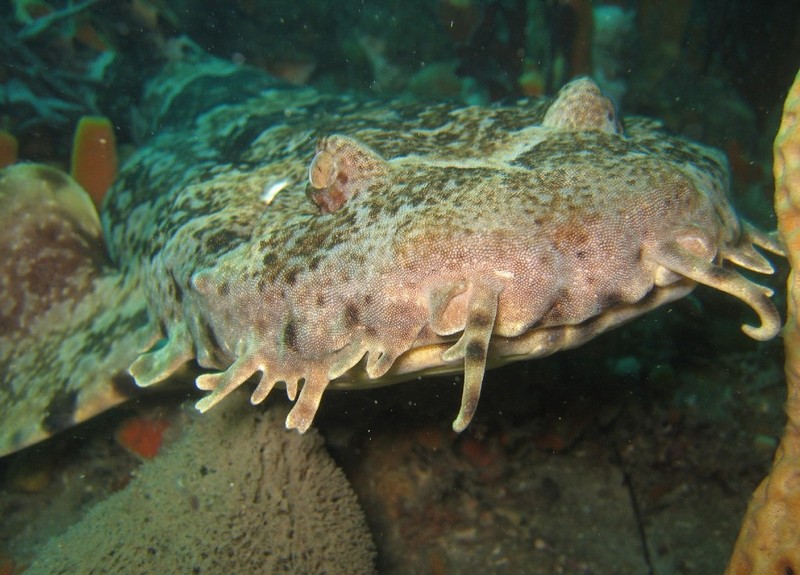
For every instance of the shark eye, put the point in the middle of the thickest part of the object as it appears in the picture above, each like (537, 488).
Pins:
(342, 169)
(323, 170)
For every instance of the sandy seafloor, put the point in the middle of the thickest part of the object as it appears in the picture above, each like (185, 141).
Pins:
(634, 454)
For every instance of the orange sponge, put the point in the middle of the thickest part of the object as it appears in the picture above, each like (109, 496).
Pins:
(142, 436)
(94, 156)
(769, 541)
(9, 148)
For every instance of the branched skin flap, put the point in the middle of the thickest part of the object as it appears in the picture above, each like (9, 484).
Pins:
(287, 237)
(428, 239)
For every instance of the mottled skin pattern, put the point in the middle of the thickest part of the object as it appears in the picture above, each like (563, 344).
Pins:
(321, 242)
(68, 320)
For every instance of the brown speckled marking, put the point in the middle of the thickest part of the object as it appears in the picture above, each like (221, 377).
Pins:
(318, 241)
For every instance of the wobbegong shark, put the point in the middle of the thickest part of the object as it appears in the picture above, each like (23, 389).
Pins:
(277, 236)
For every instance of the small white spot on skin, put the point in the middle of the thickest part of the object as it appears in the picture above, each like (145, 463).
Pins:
(270, 191)
(505, 274)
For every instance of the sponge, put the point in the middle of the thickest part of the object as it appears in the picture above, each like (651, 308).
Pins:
(769, 541)
(237, 493)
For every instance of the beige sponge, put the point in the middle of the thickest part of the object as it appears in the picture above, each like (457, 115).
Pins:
(237, 493)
